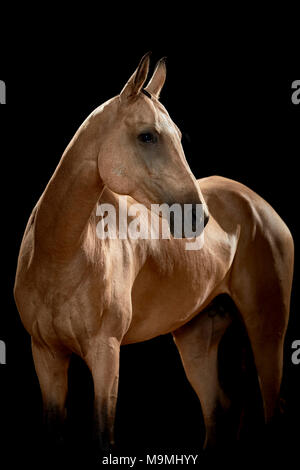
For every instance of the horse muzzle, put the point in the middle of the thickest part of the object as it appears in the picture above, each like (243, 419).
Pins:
(189, 222)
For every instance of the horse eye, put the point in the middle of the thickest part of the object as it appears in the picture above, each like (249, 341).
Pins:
(147, 138)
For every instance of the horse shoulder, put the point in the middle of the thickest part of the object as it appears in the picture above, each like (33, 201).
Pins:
(265, 244)
(232, 203)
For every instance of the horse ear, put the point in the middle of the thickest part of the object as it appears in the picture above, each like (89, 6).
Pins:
(158, 78)
(137, 79)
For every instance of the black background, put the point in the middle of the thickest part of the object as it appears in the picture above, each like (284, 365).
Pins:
(238, 121)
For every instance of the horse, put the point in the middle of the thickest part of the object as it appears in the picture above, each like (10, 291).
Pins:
(80, 294)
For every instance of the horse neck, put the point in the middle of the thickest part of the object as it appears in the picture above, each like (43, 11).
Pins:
(70, 196)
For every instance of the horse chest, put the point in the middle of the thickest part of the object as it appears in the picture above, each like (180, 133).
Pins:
(162, 301)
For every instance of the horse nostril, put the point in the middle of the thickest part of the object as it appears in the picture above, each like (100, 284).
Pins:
(194, 217)
(206, 219)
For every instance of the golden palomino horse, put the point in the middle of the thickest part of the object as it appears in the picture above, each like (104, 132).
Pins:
(78, 293)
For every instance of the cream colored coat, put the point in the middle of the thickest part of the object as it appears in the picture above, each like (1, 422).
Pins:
(78, 294)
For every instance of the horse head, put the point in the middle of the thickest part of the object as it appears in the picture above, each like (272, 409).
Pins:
(142, 155)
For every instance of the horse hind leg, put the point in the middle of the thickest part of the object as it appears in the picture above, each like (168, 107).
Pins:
(261, 288)
(267, 342)
(198, 344)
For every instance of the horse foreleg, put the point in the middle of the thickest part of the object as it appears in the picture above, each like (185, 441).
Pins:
(198, 343)
(51, 366)
(103, 362)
